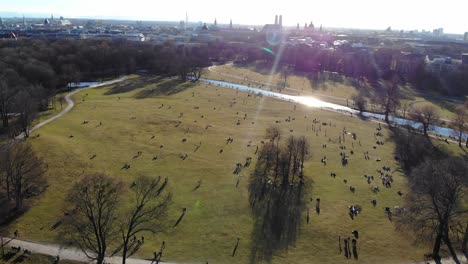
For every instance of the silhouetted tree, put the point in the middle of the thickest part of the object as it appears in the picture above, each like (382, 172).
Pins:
(460, 123)
(388, 96)
(437, 189)
(360, 102)
(95, 199)
(147, 214)
(27, 109)
(6, 101)
(22, 172)
(426, 115)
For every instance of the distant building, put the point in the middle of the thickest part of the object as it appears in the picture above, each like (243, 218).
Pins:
(465, 37)
(438, 32)
(465, 58)
(281, 20)
(274, 27)
(230, 24)
(64, 22)
(135, 37)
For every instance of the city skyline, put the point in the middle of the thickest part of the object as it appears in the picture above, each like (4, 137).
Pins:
(363, 14)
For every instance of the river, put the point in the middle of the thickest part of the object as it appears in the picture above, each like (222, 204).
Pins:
(314, 102)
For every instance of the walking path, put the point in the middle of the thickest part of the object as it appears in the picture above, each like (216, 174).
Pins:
(69, 253)
(71, 104)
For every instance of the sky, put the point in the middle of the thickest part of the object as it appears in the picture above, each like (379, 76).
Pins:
(452, 15)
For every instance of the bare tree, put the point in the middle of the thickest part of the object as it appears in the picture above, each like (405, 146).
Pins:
(6, 101)
(404, 108)
(194, 73)
(388, 96)
(23, 172)
(285, 72)
(27, 108)
(460, 124)
(147, 214)
(360, 102)
(438, 187)
(426, 115)
(93, 222)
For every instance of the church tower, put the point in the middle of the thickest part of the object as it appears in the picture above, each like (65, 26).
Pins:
(281, 20)
(230, 24)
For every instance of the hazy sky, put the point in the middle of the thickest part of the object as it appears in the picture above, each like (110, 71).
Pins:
(452, 15)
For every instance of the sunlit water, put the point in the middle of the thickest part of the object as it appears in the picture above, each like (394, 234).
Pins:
(314, 102)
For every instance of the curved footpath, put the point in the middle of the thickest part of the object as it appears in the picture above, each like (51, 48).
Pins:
(71, 253)
(71, 104)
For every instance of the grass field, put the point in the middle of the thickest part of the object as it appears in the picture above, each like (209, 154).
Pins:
(329, 91)
(218, 212)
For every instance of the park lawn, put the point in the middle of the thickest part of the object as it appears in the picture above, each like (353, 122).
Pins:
(218, 212)
(329, 91)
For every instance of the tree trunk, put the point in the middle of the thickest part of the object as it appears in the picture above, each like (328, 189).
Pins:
(124, 253)
(386, 117)
(5, 120)
(8, 187)
(460, 138)
(18, 196)
(449, 245)
(465, 242)
(437, 242)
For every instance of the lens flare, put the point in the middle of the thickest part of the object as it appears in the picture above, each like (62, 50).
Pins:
(268, 50)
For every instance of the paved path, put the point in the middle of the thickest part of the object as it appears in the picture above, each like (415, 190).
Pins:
(69, 253)
(71, 104)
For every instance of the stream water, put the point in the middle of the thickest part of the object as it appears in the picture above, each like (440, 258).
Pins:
(314, 102)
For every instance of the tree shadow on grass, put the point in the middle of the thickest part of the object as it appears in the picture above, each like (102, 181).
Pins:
(167, 87)
(133, 84)
(277, 214)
